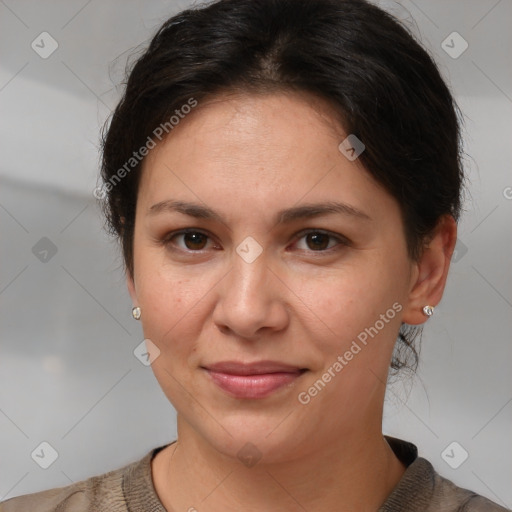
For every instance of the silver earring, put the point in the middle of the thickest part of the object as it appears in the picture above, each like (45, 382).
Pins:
(136, 312)
(428, 310)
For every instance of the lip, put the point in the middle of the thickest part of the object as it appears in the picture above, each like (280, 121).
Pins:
(252, 380)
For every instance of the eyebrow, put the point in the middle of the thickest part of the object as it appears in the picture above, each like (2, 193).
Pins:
(288, 215)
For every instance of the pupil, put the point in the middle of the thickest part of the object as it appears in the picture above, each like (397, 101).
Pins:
(318, 240)
(194, 240)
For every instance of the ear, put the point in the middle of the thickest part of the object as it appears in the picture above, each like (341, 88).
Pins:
(131, 287)
(431, 271)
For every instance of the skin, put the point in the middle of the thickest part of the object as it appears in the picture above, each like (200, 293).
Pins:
(248, 157)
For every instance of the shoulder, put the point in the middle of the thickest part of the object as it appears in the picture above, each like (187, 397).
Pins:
(77, 497)
(449, 497)
(102, 492)
(422, 489)
(73, 497)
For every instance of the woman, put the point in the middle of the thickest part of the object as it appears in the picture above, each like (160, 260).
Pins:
(285, 180)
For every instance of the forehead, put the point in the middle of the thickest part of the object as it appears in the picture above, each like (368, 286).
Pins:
(248, 123)
(244, 149)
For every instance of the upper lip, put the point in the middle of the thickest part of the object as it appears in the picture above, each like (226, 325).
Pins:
(255, 368)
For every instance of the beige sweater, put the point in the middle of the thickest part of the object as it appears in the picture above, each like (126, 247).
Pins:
(130, 489)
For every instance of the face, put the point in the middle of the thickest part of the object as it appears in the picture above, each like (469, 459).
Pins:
(293, 259)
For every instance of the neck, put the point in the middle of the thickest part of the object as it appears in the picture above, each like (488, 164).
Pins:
(356, 473)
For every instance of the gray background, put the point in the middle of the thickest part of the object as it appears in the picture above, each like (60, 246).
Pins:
(68, 375)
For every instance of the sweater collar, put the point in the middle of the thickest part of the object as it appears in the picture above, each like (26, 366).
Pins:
(412, 493)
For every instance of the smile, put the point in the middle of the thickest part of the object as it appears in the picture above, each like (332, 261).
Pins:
(252, 381)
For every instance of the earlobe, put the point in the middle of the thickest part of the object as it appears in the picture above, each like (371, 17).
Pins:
(431, 272)
(130, 283)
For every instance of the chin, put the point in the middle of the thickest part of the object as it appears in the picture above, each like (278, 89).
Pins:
(253, 437)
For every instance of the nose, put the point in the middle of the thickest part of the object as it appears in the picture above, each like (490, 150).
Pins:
(251, 300)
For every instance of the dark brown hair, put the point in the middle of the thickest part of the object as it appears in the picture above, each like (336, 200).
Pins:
(351, 53)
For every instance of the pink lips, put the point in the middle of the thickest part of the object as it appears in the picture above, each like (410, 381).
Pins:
(254, 380)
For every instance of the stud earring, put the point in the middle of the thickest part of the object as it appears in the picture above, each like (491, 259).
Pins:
(136, 312)
(428, 310)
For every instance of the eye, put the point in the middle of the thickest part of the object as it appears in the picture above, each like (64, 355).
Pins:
(191, 240)
(319, 241)
(188, 240)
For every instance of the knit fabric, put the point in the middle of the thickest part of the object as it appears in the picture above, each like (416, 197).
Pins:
(130, 489)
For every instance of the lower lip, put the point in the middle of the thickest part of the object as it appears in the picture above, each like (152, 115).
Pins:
(252, 386)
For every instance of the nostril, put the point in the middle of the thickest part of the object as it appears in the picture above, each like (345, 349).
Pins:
(224, 329)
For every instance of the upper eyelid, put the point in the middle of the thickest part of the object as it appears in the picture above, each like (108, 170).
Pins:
(324, 232)
(297, 236)
(169, 236)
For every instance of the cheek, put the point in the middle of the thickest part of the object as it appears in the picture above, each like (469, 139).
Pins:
(172, 306)
(352, 299)
(355, 317)
(173, 317)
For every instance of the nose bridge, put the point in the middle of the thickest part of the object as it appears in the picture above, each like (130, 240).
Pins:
(247, 300)
(249, 267)
(248, 279)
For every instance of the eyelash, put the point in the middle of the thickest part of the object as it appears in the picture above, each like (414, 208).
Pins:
(341, 240)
